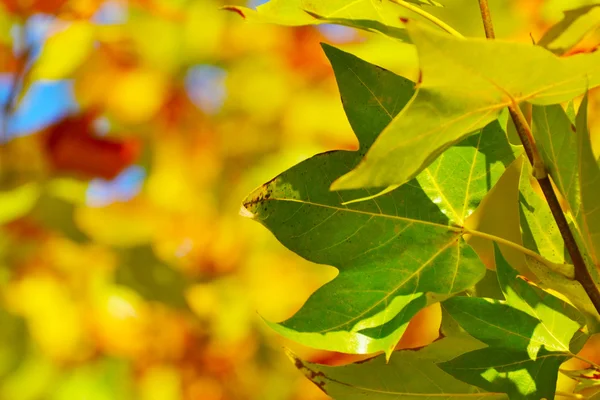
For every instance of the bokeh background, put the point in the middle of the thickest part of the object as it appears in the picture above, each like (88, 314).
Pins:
(130, 133)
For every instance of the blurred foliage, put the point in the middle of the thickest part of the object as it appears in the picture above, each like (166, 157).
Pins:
(130, 132)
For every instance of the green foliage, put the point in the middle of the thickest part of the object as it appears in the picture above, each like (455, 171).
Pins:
(434, 151)
(358, 13)
(376, 379)
(460, 93)
(367, 307)
(528, 337)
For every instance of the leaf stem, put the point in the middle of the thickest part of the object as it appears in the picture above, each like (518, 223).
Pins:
(429, 17)
(582, 274)
(486, 17)
(515, 246)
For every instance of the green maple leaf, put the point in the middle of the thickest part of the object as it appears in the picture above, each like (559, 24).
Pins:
(420, 376)
(396, 253)
(528, 337)
(465, 85)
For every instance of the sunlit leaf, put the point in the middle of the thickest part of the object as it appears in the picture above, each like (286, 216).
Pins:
(65, 51)
(397, 252)
(409, 374)
(382, 16)
(162, 382)
(393, 55)
(365, 24)
(137, 95)
(295, 12)
(528, 336)
(119, 224)
(205, 24)
(17, 202)
(460, 93)
(491, 218)
(55, 322)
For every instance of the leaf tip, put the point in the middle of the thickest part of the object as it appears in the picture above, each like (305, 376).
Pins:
(244, 212)
(293, 357)
(344, 182)
(312, 14)
(388, 354)
(313, 374)
(234, 9)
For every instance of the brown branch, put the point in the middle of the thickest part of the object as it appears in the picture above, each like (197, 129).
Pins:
(582, 274)
(487, 19)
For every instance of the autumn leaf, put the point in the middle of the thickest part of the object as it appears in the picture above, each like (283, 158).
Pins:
(378, 380)
(396, 253)
(459, 94)
(528, 337)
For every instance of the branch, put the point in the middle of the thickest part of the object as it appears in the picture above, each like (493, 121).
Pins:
(582, 274)
(13, 94)
(487, 19)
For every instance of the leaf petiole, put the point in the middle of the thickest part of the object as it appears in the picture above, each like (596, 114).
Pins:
(515, 246)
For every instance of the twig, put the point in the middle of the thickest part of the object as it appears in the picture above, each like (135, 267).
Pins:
(21, 68)
(487, 19)
(8, 109)
(582, 274)
(429, 17)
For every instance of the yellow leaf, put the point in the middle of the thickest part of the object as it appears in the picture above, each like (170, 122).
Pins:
(160, 383)
(137, 95)
(119, 318)
(65, 51)
(203, 30)
(120, 224)
(54, 318)
(17, 202)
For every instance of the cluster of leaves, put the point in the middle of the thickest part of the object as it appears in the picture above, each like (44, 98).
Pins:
(439, 188)
(127, 140)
